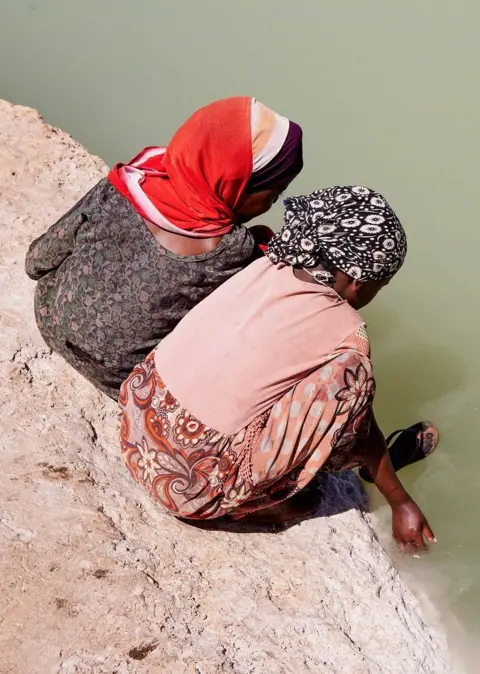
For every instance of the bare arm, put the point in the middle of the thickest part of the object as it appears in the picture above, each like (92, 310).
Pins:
(409, 525)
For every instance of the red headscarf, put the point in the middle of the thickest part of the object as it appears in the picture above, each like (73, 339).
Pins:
(198, 180)
(194, 184)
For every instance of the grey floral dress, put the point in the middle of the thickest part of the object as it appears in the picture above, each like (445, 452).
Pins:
(108, 292)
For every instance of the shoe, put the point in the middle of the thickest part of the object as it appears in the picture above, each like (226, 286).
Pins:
(412, 445)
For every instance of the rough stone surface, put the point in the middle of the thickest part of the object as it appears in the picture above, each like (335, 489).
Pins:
(95, 579)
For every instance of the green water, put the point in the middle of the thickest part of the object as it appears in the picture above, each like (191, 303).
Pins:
(388, 95)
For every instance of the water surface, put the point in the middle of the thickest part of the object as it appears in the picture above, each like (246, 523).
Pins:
(388, 96)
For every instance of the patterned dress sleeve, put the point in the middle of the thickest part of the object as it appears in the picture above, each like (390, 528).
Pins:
(322, 423)
(47, 253)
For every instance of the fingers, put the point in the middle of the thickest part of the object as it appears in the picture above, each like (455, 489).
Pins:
(412, 541)
(411, 544)
(428, 533)
(413, 547)
(416, 540)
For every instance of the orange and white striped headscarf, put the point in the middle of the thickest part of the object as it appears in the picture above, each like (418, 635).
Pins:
(193, 185)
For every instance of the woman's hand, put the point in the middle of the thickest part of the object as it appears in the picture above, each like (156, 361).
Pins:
(410, 527)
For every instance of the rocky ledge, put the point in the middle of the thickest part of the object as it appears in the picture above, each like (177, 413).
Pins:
(94, 578)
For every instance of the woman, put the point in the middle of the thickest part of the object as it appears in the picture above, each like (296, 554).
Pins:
(119, 271)
(269, 380)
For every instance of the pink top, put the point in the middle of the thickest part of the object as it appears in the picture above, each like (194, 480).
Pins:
(237, 352)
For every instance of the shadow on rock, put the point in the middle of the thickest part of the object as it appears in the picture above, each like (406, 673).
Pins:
(328, 493)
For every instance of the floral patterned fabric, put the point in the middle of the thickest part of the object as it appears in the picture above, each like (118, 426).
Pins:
(108, 292)
(195, 472)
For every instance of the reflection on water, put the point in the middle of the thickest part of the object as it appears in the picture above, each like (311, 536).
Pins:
(387, 96)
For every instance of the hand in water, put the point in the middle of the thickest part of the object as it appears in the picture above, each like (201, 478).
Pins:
(410, 526)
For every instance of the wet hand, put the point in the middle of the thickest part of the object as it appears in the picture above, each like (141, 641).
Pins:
(410, 527)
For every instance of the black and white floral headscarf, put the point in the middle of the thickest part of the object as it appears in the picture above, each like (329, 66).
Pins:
(352, 229)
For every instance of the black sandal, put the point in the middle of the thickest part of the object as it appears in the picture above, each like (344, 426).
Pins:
(412, 445)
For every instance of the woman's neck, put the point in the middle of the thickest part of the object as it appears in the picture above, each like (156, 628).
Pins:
(303, 275)
(182, 245)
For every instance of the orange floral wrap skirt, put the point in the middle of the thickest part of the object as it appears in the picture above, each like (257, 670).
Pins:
(195, 472)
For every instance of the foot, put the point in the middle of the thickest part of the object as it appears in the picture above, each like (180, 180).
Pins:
(411, 445)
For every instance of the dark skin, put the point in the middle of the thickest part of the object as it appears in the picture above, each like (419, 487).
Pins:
(249, 206)
(409, 525)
